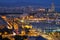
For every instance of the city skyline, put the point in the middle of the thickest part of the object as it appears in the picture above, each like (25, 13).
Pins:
(35, 3)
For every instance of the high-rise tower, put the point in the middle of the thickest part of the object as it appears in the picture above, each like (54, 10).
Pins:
(52, 7)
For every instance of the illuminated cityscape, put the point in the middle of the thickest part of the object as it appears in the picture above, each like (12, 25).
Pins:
(29, 23)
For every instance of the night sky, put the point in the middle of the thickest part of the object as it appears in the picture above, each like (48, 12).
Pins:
(17, 3)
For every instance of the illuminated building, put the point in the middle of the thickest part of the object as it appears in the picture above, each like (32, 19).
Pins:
(41, 9)
(52, 9)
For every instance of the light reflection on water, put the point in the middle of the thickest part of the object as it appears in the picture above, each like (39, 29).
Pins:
(36, 38)
(43, 25)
